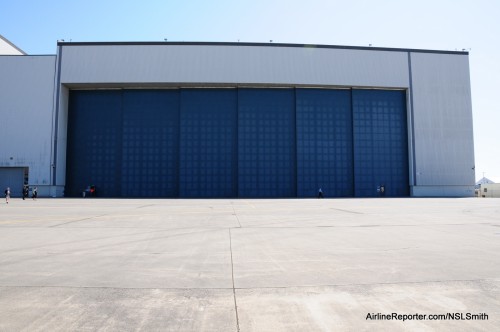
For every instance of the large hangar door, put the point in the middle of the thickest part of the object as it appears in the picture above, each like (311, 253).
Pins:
(94, 142)
(266, 143)
(246, 142)
(150, 139)
(208, 143)
(125, 142)
(380, 143)
(324, 142)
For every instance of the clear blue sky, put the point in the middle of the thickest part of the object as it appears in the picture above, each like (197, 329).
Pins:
(35, 26)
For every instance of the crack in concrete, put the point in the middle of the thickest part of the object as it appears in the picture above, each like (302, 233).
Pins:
(234, 214)
(72, 221)
(348, 211)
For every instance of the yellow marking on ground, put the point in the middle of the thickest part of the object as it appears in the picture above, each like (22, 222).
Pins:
(113, 216)
(247, 203)
(6, 222)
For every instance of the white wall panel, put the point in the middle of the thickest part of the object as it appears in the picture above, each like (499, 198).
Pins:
(444, 150)
(7, 48)
(26, 106)
(233, 64)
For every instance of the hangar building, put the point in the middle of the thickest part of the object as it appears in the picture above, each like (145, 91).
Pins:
(182, 119)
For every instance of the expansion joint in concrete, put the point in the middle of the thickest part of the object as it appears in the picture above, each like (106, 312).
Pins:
(232, 278)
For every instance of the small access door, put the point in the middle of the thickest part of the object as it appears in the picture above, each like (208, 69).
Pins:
(14, 178)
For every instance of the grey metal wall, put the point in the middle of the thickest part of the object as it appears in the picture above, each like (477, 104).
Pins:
(443, 136)
(441, 152)
(439, 101)
(26, 109)
(180, 64)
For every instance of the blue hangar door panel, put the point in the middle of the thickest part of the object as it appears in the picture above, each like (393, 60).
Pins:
(208, 143)
(150, 143)
(266, 143)
(94, 142)
(380, 143)
(324, 143)
(125, 142)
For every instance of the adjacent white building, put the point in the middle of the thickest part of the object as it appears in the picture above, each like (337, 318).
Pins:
(7, 48)
(489, 190)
